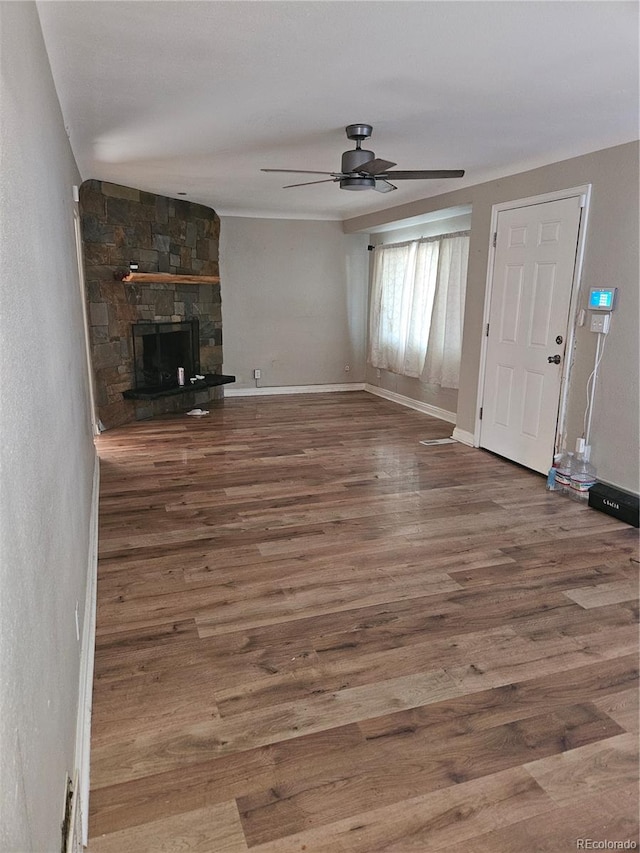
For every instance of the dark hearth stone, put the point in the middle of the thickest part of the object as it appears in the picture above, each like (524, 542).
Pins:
(164, 302)
(98, 314)
(156, 392)
(202, 250)
(210, 268)
(181, 209)
(177, 231)
(162, 210)
(149, 258)
(107, 355)
(95, 254)
(192, 233)
(142, 236)
(118, 191)
(92, 200)
(161, 242)
(118, 211)
(94, 231)
(99, 335)
(124, 236)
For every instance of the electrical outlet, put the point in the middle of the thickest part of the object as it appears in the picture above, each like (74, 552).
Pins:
(257, 374)
(600, 322)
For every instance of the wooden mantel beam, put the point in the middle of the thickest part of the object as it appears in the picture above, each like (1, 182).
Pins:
(165, 277)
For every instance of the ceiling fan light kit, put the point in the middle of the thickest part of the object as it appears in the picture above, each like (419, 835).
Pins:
(357, 183)
(362, 170)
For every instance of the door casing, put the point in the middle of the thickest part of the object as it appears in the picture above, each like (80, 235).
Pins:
(584, 192)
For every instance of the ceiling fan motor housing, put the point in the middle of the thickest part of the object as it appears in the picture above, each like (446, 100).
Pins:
(352, 160)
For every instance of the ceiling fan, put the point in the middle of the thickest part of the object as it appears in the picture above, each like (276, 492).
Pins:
(362, 170)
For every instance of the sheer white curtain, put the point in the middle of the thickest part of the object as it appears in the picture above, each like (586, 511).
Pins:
(442, 363)
(404, 277)
(417, 306)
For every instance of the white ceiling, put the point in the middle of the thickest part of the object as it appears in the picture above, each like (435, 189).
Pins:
(197, 97)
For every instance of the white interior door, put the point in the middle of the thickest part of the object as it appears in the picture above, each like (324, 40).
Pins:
(533, 273)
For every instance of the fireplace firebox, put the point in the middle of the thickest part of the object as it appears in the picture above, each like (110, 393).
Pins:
(159, 349)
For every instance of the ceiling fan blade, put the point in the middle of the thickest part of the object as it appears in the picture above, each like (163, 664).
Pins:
(426, 174)
(308, 183)
(383, 186)
(298, 171)
(375, 166)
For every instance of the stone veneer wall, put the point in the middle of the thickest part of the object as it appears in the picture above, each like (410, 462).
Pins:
(119, 225)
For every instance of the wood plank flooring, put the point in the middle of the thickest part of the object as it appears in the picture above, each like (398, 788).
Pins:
(316, 634)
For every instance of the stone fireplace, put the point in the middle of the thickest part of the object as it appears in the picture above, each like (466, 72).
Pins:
(122, 225)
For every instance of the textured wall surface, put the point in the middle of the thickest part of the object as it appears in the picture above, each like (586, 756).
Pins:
(120, 225)
(47, 455)
(295, 301)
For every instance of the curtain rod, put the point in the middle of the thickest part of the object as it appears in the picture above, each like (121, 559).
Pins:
(431, 239)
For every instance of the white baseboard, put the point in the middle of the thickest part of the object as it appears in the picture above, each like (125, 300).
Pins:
(425, 408)
(87, 656)
(464, 437)
(292, 389)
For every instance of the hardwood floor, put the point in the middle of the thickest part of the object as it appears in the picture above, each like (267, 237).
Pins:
(316, 634)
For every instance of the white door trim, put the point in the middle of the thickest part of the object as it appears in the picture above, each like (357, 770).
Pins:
(77, 230)
(584, 192)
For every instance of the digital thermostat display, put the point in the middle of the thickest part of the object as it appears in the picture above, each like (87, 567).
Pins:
(602, 298)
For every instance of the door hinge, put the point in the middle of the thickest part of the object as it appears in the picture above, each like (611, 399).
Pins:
(480, 418)
(495, 238)
(486, 331)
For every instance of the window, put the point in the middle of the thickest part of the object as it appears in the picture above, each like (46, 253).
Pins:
(417, 308)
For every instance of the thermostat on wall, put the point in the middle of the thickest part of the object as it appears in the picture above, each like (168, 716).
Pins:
(602, 298)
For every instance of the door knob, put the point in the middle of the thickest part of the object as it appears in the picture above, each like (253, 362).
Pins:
(554, 359)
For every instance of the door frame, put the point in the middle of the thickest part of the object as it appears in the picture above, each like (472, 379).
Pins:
(77, 230)
(584, 193)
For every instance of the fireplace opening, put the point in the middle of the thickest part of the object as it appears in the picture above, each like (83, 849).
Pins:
(159, 349)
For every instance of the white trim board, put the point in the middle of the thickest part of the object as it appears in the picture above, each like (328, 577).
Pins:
(425, 408)
(87, 657)
(292, 389)
(463, 437)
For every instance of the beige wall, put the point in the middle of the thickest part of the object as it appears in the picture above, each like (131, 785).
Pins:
(47, 455)
(294, 301)
(611, 257)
